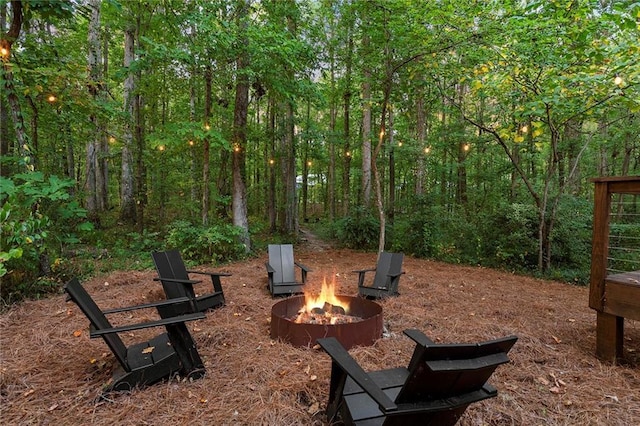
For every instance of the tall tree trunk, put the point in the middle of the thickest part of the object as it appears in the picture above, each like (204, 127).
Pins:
(96, 196)
(239, 198)
(206, 146)
(346, 162)
(6, 42)
(127, 199)
(272, 195)
(289, 151)
(4, 108)
(366, 137)
(421, 125)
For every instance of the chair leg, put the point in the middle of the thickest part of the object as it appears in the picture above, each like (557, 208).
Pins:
(185, 347)
(609, 337)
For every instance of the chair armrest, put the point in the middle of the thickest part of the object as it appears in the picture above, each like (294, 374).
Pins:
(348, 365)
(148, 305)
(362, 271)
(395, 275)
(301, 266)
(211, 274)
(177, 281)
(148, 324)
(418, 336)
(270, 268)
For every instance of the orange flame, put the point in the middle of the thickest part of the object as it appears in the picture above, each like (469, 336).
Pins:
(327, 294)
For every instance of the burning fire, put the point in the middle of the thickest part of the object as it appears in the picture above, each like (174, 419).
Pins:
(324, 308)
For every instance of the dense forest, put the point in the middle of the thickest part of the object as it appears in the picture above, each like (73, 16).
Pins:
(453, 130)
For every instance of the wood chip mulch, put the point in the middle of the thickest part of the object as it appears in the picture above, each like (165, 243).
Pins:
(52, 373)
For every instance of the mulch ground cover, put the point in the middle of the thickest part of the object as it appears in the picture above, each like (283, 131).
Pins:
(52, 373)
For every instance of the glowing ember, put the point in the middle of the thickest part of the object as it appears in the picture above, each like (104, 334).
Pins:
(325, 308)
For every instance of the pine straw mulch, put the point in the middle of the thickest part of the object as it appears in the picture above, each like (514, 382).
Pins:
(51, 372)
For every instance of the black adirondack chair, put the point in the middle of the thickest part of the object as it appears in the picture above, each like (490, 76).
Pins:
(441, 381)
(174, 276)
(281, 271)
(386, 278)
(146, 362)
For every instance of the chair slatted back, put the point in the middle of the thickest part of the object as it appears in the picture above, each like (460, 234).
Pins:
(168, 266)
(388, 263)
(98, 320)
(281, 259)
(447, 370)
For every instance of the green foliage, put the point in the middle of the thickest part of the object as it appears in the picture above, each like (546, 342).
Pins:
(571, 238)
(509, 236)
(359, 230)
(205, 244)
(37, 216)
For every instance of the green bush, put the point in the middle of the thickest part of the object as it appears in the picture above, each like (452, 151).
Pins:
(38, 215)
(510, 237)
(360, 230)
(205, 244)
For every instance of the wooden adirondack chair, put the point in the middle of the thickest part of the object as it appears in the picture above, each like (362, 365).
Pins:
(174, 276)
(146, 362)
(386, 278)
(281, 272)
(436, 388)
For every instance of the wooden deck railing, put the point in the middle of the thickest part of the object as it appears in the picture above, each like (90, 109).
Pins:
(613, 296)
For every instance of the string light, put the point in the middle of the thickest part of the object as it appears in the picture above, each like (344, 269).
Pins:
(207, 127)
(161, 148)
(4, 52)
(524, 129)
(309, 163)
(427, 150)
(51, 98)
(348, 153)
(466, 147)
(618, 80)
(399, 143)
(112, 139)
(271, 162)
(190, 143)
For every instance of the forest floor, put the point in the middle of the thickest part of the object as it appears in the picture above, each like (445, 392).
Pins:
(51, 372)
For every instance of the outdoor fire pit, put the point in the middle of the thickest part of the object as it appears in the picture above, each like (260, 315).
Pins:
(300, 320)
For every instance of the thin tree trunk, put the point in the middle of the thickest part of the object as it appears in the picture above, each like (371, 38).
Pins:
(206, 146)
(6, 42)
(239, 198)
(127, 201)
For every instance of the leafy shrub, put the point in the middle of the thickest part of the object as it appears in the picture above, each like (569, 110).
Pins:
(571, 238)
(510, 236)
(360, 230)
(205, 244)
(37, 216)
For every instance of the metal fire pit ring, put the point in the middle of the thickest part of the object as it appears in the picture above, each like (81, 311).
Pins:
(361, 333)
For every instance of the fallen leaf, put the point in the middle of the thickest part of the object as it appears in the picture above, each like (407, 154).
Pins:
(203, 400)
(314, 408)
(543, 381)
(29, 392)
(53, 407)
(556, 339)
(93, 361)
(313, 377)
(148, 350)
(77, 333)
(247, 319)
(613, 397)
(555, 389)
(307, 369)
(567, 402)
